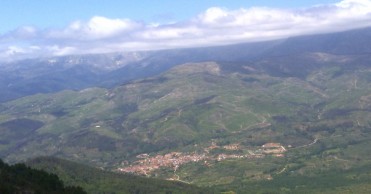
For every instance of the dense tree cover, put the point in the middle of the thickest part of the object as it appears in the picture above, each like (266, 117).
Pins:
(19, 178)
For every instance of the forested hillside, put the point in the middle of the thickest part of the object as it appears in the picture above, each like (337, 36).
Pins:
(19, 178)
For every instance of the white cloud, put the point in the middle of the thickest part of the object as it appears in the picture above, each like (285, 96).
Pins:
(358, 4)
(26, 32)
(60, 51)
(171, 32)
(215, 26)
(13, 52)
(96, 28)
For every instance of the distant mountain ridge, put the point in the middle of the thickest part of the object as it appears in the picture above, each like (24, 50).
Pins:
(54, 74)
(340, 43)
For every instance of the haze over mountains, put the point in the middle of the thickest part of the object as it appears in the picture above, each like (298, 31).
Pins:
(264, 116)
(47, 75)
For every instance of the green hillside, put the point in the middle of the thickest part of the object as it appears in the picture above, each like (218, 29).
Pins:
(205, 124)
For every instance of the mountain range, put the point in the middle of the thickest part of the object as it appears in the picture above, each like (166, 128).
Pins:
(47, 75)
(289, 114)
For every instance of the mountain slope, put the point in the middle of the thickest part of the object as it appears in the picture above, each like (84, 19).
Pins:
(192, 104)
(98, 181)
(229, 123)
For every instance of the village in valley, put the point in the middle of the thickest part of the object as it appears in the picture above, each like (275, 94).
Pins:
(146, 164)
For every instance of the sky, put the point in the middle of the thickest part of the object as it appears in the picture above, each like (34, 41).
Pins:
(44, 28)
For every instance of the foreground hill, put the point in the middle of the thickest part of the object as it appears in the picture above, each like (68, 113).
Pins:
(19, 178)
(94, 180)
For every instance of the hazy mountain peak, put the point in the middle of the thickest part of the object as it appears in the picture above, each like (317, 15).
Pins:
(326, 57)
(191, 68)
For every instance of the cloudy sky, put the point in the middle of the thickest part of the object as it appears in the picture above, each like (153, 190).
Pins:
(52, 27)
